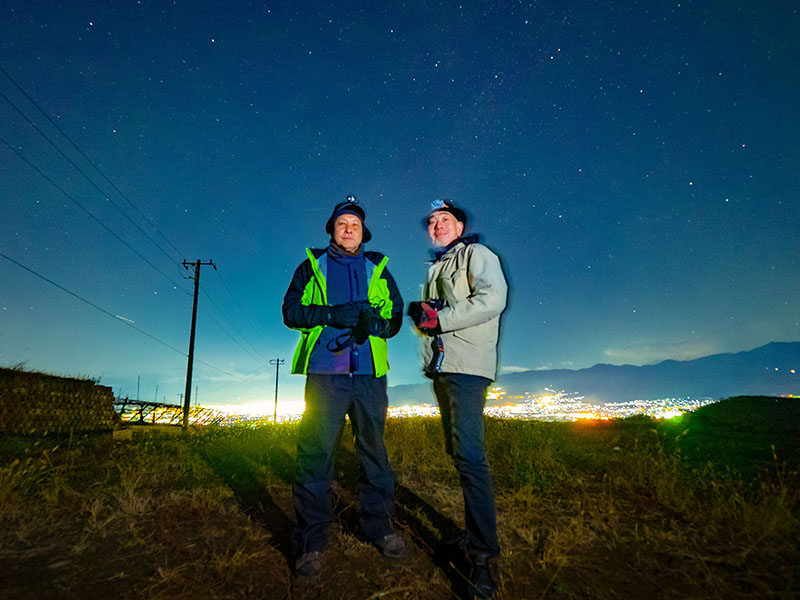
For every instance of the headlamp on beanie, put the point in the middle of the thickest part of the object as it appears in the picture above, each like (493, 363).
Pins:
(349, 206)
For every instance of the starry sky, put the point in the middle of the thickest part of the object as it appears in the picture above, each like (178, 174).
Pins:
(635, 165)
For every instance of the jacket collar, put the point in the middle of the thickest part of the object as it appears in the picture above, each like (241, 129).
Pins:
(466, 240)
(340, 254)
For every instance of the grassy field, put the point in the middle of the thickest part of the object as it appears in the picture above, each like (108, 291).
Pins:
(701, 507)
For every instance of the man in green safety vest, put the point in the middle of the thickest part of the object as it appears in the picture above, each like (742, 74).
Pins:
(345, 304)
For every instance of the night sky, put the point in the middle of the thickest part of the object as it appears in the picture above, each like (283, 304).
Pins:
(635, 165)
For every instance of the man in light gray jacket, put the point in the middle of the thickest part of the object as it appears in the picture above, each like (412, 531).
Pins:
(464, 294)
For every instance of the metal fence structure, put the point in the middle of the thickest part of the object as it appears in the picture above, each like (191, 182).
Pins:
(138, 412)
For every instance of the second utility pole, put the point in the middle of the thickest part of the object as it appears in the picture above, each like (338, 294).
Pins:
(277, 362)
(187, 396)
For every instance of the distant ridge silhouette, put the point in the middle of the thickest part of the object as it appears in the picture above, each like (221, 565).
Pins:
(763, 371)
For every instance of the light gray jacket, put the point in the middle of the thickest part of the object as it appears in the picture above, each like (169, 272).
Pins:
(469, 280)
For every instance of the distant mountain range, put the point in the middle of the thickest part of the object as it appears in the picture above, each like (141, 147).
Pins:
(764, 371)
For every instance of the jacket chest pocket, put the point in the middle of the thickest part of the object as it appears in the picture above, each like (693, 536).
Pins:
(454, 285)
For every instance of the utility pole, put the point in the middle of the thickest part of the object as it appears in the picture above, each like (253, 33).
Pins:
(277, 362)
(187, 397)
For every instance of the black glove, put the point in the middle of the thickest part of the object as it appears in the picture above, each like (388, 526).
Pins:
(424, 315)
(343, 316)
(415, 311)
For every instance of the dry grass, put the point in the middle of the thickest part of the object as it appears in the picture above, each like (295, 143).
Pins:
(606, 510)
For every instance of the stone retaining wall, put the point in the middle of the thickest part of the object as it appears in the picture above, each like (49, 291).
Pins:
(35, 403)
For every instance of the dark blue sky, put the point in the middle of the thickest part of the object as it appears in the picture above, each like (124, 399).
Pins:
(635, 165)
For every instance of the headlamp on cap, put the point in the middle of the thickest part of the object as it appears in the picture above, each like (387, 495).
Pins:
(440, 204)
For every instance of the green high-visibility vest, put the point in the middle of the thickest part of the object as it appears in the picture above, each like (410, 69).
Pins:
(315, 292)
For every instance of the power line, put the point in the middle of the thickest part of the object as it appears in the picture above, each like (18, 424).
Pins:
(92, 304)
(259, 358)
(245, 379)
(175, 283)
(112, 315)
(110, 230)
(230, 293)
(89, 160)
(88, 212)
(77, 168)
(99, 222)
(30, 99)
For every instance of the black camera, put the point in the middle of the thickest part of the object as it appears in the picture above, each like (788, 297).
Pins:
(370, 322)
(435, 303)
(416, 312)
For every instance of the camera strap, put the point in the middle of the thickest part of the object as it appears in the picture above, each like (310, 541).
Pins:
(438, 357)
(340, 342)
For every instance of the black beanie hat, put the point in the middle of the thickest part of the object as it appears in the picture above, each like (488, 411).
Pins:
(349, 206)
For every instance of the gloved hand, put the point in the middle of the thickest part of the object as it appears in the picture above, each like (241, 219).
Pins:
(425, 317)
(343, 316)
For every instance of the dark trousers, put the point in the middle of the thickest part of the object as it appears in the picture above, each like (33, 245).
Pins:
(461, 400)
(328, 399)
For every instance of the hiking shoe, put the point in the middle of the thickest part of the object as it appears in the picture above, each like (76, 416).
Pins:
(482, 578)
(392, 546)
(308, 566)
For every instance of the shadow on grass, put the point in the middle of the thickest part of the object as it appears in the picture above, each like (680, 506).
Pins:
(247, 475)
(442, 540)
(247, 479)
(434, 533)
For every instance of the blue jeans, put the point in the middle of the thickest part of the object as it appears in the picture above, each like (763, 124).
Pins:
(461, 400)
(328, 399)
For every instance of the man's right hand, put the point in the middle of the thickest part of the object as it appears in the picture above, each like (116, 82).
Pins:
(425, 317)
(343, 316)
